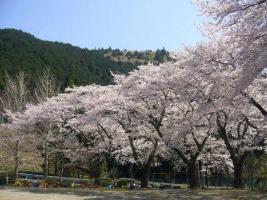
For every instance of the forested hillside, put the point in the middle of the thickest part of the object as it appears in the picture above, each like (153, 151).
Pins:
(71, 65)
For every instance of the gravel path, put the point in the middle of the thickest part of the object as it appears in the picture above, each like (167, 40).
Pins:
(71, 194)
(12, 194)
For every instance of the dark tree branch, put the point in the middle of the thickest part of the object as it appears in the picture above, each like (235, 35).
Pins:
(256, 104)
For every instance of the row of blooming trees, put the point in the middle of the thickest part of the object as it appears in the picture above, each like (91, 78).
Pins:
(156, 112)
(208, 105)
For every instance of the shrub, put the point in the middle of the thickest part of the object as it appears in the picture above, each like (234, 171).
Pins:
(50, 182)
(22, 183)
(85, 183)
(106, 181)
(176, 187)
(43, 184)
(122, 182)
(162, 187)
(65, 183)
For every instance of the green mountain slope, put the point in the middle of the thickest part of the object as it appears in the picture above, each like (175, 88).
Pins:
(70, 64)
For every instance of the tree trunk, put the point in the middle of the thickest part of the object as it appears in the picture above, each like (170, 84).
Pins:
(198, 175)
(45, 161)
(193, 176)
(145, 177)
(17, 159)
(131, 175)
(55, 167)
(238, 170)
(98, 173)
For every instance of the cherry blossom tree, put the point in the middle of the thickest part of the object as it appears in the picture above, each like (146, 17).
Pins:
(240, 126)
(137, 143)
(164, 103)
(242, 28)
(38, 123)
(67, 123)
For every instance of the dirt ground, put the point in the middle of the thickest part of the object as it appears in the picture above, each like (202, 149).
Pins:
(71, 194)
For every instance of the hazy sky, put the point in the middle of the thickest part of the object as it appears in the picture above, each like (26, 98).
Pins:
(124, 24)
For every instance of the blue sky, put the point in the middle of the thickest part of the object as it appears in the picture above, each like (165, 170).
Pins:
(124, 24)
